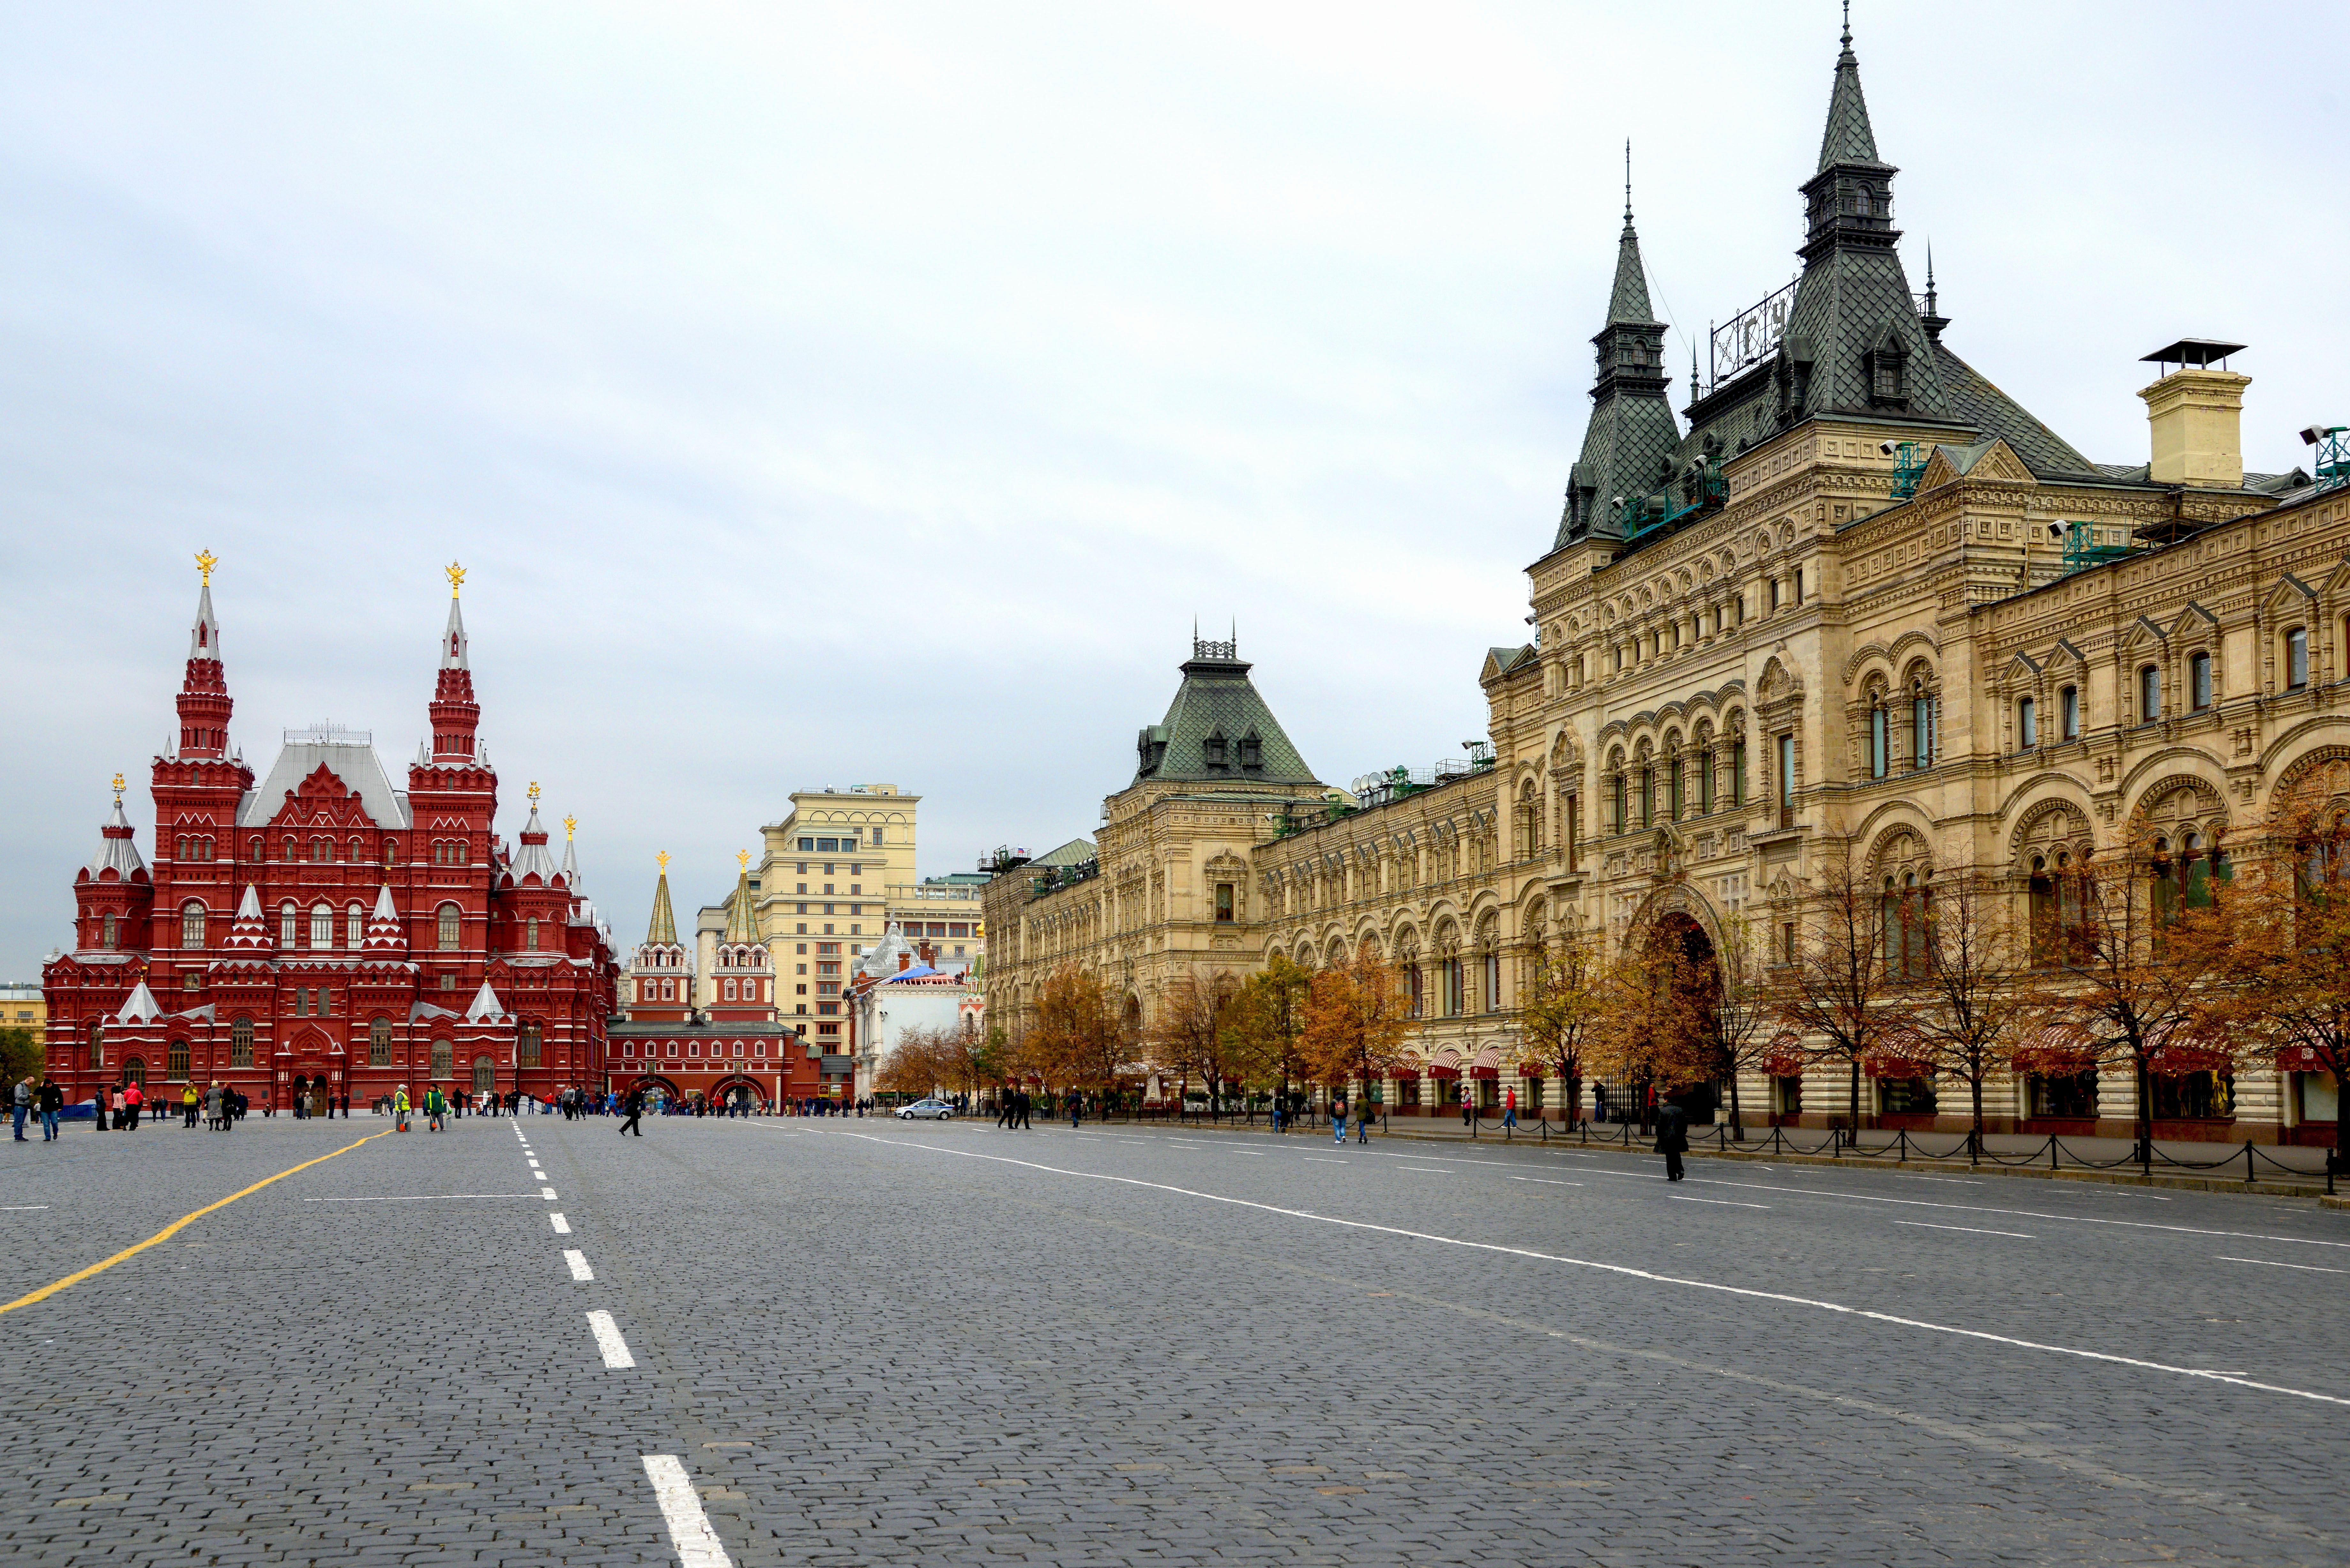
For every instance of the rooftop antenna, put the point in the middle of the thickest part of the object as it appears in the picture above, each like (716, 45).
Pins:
(1847, 25)
(1628, 177)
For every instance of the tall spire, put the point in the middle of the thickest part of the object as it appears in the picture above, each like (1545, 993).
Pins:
(662, 932)
(456, 714)
(1632, 429)
(570, 854)
(1854, 342)
(204, 705)
(1628, 301)
(742, 916)
(1848, 138)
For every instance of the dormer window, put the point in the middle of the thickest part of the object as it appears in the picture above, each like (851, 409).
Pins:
(1214, 746)
(1252, 750)
(1886, 368)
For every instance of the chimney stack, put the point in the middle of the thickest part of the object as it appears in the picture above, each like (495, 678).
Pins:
(2196, 416)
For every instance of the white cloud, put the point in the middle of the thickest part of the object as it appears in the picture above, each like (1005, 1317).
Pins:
(834, 394)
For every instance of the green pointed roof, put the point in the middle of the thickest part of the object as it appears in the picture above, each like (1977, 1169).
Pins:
(1627, 302)
(1847, 137)
(741, 915)
(663, 930)
(1219, 729)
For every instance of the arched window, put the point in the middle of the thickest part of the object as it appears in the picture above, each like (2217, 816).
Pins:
(289, 848)
(322, 926)
(380, 1043)
(2198, 682)
(1880, 739)
(354, 925)
(445, 1059)
(2068, 714)
(529, 1042)
(107, 932)
(1905, 912)
(1616, 805)
(322, 850)
(2027, 724)
(175, 1062)
(450, 929)
(1673, 788)
(286, 919)
(1922, 725)
(2149, 693)
(1647, 795)
(1705, 781)
(2296, 658)
(191, 924)
(98, 1045)
(530, 935)
(240, 1042)
(252, 849)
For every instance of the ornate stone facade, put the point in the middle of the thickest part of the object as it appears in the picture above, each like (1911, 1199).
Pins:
(1861, 602)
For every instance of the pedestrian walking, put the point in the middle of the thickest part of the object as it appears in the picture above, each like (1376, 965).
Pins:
(1672, 1138)
(1510, 1108)
(1338, 1121)
(215, 1108)
(635, 1105)
(1024, 1105)
(21, 1099)
(50, 1099)
(189, 1101)
(436, 1108)
(1076, 1109)
(399, 1109)
(1363, 1112)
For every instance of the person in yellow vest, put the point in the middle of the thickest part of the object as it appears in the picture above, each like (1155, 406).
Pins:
(188, 1102)
(399, 1109)
(436, 1106)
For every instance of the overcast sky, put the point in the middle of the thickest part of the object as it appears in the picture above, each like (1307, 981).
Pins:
(824, 395)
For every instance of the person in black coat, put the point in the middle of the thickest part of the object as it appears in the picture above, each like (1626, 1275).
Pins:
(1672, 1138)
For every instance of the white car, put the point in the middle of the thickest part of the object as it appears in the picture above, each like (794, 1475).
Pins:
(934, 1110)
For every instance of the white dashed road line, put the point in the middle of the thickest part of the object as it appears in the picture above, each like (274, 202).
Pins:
(1970, 1229)
(546, 1193)
(2304, 1268)
(1546, 1181)
(562, 1226)
(578, 1260)
(1426, 1169)
(1325, 1159)
(20, 1208)
(1725, 1202)
(1625, 1271)
(608, 1340)
(697, 1543)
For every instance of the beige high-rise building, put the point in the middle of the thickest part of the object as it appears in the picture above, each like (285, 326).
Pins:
(830, 878)
(1853, 602)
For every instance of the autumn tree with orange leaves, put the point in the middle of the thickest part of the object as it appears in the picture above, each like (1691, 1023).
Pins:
(1355, 1018)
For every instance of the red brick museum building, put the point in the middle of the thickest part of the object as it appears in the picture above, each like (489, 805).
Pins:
(326, 926)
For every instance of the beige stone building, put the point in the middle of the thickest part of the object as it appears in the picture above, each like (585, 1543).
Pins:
(1850, 598)
(830, 879)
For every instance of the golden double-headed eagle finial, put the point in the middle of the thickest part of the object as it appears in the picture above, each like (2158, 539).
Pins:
(742, 858)
(534, 791)
(205, 562)
(663, 858)
(569, 823)
(456, 577)
(119, 787)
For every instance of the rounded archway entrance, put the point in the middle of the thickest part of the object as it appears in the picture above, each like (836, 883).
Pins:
(1668, 1049)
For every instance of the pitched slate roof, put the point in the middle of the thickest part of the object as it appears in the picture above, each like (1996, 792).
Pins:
(1973, 399)
(1217, 701)
(1076, 852)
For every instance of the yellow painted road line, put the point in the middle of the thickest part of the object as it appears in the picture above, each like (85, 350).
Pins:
(176, 1226)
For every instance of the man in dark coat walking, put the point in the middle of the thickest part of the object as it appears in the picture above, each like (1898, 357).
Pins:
(1672, 1138)
(635, 1105)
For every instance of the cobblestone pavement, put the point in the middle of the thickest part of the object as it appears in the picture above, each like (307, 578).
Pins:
(874, 1342)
